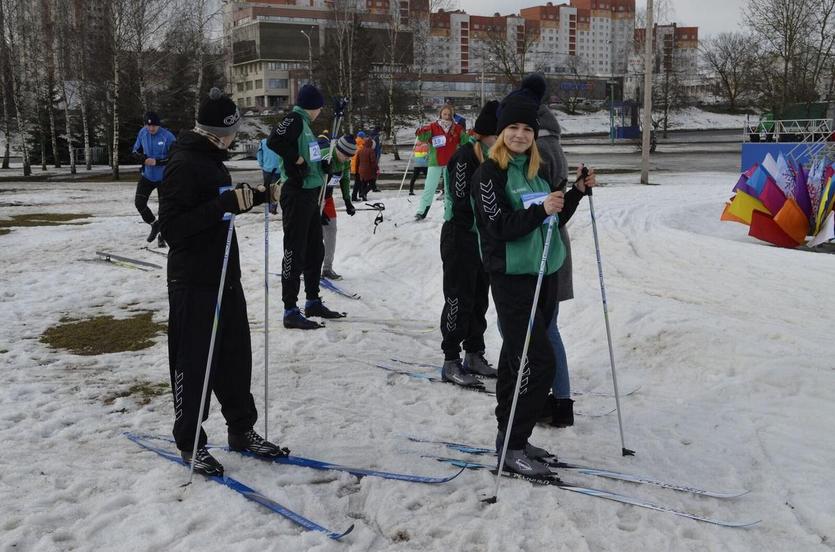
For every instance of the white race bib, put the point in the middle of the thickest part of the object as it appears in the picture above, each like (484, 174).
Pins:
(314, 151)
(438, 141)
(334, 181)
(535, 198)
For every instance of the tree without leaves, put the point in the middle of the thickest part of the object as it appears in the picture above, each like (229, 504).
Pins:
(507, 51)
(731, 57)
(794, 38)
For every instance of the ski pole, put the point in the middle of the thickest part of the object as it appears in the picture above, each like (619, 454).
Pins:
(266, 319)
(211, 347)
(524, 360)
(408, 164)
(624, 451)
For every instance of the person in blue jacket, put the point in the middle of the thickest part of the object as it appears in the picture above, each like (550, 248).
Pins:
(151, 149)
(271, 167)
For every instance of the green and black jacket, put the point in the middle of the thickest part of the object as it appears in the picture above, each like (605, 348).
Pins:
(512, 237)
(460, 169)
(292, 139)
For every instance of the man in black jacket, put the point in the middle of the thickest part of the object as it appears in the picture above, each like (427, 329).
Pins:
(196, 202)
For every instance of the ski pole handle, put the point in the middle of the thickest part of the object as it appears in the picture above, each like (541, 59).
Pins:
(584, 173)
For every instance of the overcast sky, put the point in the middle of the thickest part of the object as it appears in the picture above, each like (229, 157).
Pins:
(711, 16)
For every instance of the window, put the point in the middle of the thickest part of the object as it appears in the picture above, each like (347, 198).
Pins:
(249, 85)
(277, 83)
(240, 87)
(259, 83)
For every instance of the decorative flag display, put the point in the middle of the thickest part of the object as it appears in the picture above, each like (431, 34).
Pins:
(782, 202)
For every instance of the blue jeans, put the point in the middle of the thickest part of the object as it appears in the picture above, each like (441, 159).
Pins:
(562, 384)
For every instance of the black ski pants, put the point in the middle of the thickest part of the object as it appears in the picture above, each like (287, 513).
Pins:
(190, 319)
(304, 250)
(466, 290)
(416, 171)
(143, 192)
(513, 297)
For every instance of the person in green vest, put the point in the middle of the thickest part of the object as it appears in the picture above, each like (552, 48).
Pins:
(339, 176)
(513, 201)
(305, 169)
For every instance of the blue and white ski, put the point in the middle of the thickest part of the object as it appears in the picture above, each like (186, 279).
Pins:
(577, 393)
(293, 460)
(607, 495)
(585, 470)
(433, 378)
(330, 286)
(246, 492)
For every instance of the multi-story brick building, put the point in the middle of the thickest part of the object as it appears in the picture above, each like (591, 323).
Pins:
(675, 52)
(272, 42)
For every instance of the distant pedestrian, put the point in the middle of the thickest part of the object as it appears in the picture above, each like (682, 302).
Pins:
(151, 149)
(419, 164)
(443, 136)
(367, 170)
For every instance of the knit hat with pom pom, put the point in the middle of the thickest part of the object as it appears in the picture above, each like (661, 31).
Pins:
(218, 114)
(520, 106)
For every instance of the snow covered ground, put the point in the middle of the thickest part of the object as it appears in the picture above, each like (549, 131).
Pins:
(729, 339)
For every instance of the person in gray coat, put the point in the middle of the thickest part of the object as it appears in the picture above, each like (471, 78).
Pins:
(559, 408)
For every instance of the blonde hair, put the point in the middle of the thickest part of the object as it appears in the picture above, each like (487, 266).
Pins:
(445, 108)
(501, 154)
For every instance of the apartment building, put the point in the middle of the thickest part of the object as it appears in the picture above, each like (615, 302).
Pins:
(273, 41)
(675, 52)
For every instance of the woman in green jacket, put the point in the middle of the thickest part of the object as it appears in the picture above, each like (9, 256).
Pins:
(513, 203)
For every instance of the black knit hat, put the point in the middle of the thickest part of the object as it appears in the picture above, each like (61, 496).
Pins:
(151, 118)
(346, 145)
(486, 122)
(520, 106)
(309, 97)
(218, 114)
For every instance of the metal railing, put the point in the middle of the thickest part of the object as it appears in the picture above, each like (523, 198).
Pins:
(788, 130)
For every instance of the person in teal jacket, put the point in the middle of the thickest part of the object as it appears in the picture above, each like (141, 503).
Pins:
(151, 148)
(305, 169)
(513, 201)
(271, 167)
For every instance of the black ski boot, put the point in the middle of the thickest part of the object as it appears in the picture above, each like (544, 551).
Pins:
(257, 445)
(477, 364)
(562, 411)
(519, 461)
(537, 453)
(293, 319)
(317, 308)
(154, 231)
(205, 463)
(331, 275)
(453, 371)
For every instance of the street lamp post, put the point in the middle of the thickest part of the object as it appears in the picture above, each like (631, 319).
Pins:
(309, 57)
(482, 82)
(612, 84)
(647, 114)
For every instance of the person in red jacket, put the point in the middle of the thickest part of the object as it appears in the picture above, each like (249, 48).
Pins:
(443, 136)
(366, 168)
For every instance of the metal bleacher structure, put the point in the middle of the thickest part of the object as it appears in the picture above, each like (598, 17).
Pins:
(806, 141)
